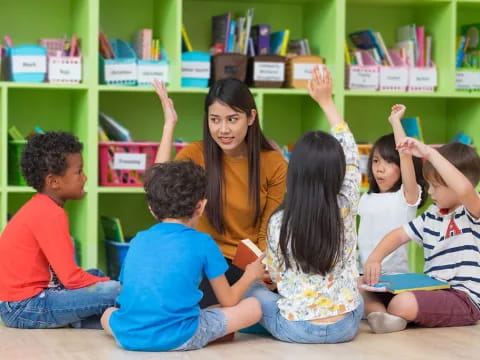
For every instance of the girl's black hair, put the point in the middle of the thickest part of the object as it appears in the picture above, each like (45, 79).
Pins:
(312, 224)
(233, 93)
(386, 147)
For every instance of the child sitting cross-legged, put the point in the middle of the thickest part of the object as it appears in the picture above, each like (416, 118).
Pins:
(449, 232)
(159, 302)
(41, 286)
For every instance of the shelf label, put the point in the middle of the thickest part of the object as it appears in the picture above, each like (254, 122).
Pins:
(196, 69)
(423, 77)
(29, 64)
(148, 72)
(269, 71)
(363, 78)
(393, 78)
(125, 161)
(120, 72)
(63, 70)
(303, 71)
(467, 80)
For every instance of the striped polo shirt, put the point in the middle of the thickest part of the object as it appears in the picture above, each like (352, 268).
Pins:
(451, 245)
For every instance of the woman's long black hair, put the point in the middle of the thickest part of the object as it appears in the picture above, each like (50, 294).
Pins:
(312, 225)
(234, 93)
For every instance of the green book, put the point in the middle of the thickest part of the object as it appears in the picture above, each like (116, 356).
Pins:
(15, 134)
(112, 228)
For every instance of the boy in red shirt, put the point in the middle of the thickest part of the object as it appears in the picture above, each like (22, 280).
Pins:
(40, 284)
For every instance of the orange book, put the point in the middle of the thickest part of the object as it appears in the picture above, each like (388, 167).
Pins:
(247, 252)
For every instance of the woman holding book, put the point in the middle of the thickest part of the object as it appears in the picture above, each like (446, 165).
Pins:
(245, 174)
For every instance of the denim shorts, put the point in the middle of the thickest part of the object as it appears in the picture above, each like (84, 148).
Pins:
(212, 324)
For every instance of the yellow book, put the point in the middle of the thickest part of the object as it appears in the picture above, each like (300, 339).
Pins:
(348, 59)
(286, 38)
(186, 44)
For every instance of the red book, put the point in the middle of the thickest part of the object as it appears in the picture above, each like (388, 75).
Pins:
(247, 252)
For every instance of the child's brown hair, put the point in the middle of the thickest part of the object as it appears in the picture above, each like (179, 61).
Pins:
(462, 156)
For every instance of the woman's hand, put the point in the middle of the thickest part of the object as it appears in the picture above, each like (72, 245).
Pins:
(169, 113)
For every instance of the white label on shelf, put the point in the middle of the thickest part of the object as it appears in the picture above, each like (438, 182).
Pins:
(463, 80)
(64, 71)
(29, 64)
(423, 77)
(392, 77)
(303, 71)
(363, 78)
(125, 161)
(120, 72)
(196, 69)
(476, 80)
(467, 80)
(148, 72)
(268, 71)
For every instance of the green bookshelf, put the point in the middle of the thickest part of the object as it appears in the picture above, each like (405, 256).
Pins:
(285, 113)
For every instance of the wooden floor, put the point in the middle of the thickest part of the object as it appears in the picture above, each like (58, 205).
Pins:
(413, 343)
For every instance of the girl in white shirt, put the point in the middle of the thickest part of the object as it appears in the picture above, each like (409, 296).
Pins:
(396, 191)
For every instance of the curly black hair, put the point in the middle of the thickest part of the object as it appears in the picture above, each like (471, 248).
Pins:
(46, 154)
(174, 188)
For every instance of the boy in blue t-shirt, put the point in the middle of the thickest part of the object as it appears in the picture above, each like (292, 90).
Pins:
(159, 301)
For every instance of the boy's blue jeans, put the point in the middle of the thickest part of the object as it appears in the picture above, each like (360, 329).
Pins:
(303, 331)
(60, 307)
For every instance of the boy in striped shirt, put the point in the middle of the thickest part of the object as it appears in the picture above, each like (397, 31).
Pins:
(449, 232)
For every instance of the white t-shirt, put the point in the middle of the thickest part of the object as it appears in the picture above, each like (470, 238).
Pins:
(379, 214)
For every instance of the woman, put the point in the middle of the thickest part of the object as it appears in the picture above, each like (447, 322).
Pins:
(245, 174)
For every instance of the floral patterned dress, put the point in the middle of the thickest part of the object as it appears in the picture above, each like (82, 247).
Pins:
(312, 296)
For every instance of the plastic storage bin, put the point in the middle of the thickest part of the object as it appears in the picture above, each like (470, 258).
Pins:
(148, 70)
(124, 163)
(62, 69)
(27, 63)
(123, 69)
(15, 149)
(195, 69)
(116, 253)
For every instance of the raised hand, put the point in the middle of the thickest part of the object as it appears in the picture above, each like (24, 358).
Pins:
(169, 113)
(320, 86)
(398, 111)
(414, 147)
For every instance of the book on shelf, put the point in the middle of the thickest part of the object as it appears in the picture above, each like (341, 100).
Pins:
(366, 40)
(112, 228)
(15, 134)
(220, 31)
(279, 42)
(248, 25)
(412, 127)
(142, 44)
(186, 44)
(398, 283)
(114, 130)
(261, 39)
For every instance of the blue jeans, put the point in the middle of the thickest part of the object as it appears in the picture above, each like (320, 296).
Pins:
(303, 331)
(60, 307)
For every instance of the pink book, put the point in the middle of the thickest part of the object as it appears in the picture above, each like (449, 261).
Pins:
(367, 58)
(421, 45)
